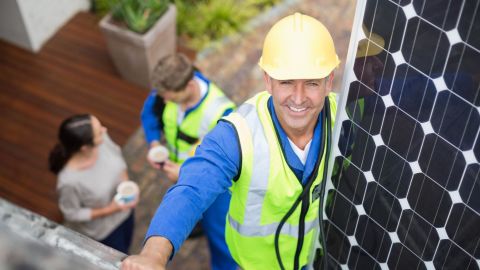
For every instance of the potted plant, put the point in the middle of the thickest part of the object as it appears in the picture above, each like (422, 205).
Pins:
(138, 34)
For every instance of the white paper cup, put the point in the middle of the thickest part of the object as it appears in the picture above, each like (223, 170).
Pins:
(127, 192)
(158, 154)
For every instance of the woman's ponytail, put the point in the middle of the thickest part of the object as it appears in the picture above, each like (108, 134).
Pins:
(57, 158)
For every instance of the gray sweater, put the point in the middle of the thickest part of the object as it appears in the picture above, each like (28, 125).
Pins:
(81, 190)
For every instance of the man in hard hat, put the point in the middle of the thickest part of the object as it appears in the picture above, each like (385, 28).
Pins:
(182, 108)
(271, 154)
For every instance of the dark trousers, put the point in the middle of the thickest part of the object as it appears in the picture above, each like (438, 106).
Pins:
(121, 238)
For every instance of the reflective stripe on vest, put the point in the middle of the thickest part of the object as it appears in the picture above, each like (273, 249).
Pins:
(269, 229)
(257, 208)
(195, 125)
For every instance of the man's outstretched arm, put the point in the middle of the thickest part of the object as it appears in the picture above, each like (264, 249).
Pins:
(202, 178)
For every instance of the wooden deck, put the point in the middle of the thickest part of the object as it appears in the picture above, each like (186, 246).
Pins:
(72, 74)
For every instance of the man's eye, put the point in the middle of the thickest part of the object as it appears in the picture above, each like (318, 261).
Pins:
(314, 84)
(285, 82)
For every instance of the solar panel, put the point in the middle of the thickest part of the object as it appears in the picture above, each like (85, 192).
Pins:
(404, 191)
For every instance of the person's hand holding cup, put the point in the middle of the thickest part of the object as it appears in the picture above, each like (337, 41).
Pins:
(157, 155)
(127, 194)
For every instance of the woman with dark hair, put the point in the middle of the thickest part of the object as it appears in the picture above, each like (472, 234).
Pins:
(90, 166)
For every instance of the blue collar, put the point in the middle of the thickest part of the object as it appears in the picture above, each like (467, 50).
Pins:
(302, 172)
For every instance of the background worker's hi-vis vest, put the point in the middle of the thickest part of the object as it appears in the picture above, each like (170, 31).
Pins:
(265, 191)
(182, 139)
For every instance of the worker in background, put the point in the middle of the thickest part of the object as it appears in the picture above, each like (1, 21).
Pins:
(183, 107)
(271, 154)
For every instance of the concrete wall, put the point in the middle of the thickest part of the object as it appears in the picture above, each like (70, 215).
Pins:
(30, 23)
(30, 241)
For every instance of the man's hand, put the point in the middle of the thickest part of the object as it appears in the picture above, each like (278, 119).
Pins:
(153, 163)
(154, 255)
(172, 170)
(141, 262)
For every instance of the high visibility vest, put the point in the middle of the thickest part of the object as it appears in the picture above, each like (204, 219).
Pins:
(265, 191)
(182, 139)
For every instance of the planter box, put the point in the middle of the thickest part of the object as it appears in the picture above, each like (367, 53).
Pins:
(135, 55)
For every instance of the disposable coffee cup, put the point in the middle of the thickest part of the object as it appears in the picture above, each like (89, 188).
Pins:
(127, 192)
(158, 154)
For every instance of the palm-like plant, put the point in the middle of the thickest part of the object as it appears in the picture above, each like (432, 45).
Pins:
(137, 15)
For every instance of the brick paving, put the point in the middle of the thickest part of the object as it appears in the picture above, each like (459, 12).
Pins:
(232, 64)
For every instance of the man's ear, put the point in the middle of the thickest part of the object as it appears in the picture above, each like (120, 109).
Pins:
(329, 83)
(192, 84)
(191, 87)
(268, 82)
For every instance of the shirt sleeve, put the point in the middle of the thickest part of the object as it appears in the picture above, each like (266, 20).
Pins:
(150, 121)
(69, 204)
(202, 179)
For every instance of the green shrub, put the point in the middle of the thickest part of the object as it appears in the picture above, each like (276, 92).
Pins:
(201, 21)
(204, 21)
(137, 15)
(262, 4)
(211, 20)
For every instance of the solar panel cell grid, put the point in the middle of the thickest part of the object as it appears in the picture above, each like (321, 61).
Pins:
(405, 185)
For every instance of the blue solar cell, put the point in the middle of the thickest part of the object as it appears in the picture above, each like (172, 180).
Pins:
(382, 207)
(470, 187)
(402, 258)
(450, 256)
(469, 25)
(349, 180)
(425, 47)
(341, 212)
(429, 200)
(418, 235)
(402, 133)
(462, 72)
(442, 162)
(387, 20)
(359, 259)
(462, 228)
(442, 13)
(455, 120)
(373, 239)
(392, 172)
(338, 243)
(413, 92)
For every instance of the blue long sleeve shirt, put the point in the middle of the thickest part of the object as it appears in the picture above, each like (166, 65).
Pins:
(210, 172)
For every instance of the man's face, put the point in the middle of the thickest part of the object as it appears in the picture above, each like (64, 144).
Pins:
(298, 102)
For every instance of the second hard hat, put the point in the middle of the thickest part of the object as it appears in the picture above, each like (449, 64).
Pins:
(298, 47)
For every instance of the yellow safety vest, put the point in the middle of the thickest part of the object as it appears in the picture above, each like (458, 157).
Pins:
(264, 193)
(182, 139)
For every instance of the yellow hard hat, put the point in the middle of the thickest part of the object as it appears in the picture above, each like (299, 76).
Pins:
(298, 47)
